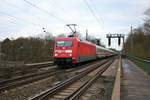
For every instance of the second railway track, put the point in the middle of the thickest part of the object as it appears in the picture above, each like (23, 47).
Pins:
(72, 88)
(23, 80)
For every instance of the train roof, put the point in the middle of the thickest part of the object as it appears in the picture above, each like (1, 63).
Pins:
(97, 46)
(106, 49)
(71, 38)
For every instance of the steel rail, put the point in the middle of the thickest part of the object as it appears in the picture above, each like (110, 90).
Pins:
(25, 76)
(9, 84)
(50, 92)
(22, 80)
(39, 65)
(75, 95)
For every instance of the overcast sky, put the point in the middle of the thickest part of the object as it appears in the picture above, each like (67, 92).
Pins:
(27, 17)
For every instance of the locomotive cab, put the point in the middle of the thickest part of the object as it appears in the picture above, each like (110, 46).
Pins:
(63, 51)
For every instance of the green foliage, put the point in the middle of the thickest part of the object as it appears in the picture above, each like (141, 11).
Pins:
(140, 38)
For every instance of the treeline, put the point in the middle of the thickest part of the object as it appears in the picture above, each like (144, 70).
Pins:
(28, 50)
(138, 43)
(32, 49)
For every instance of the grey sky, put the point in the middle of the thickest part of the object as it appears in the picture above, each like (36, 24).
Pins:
(20, 18)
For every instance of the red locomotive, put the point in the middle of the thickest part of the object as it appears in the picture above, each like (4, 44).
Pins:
(71, 50)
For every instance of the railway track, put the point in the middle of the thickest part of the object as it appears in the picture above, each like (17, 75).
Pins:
(29, 78)
(72, 88)
(10, 70)
(23, 80)
(39, 65)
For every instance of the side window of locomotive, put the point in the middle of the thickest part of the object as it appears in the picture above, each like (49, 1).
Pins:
(68, 43)
(64, 43)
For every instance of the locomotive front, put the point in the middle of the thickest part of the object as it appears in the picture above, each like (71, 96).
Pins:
(63, 51)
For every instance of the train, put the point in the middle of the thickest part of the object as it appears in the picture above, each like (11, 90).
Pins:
(72, 50)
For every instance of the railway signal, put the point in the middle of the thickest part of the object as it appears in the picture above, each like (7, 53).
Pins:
(119, 40)
(109, 41)
(0, 51)
(119, 36)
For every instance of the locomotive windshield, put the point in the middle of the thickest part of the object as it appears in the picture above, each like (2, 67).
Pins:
(64, 43)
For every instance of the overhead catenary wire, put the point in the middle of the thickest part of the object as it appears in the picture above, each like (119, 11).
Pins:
(8, 20)
(93, 13)
(11, 18)
(45, 11)
(54, 3)
(60, 7)
(21, 19)
(18, 8)
(96, 10)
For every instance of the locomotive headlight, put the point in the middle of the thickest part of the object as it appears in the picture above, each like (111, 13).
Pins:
(70, 54)
(56, 54)
(68, 51)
